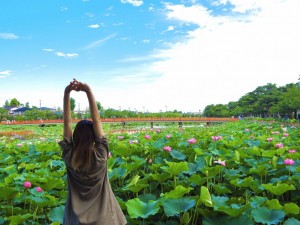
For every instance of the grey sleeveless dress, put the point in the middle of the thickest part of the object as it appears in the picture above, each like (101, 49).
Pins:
(90, 199)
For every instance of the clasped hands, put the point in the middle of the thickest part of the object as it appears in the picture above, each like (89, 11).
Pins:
(77, 86)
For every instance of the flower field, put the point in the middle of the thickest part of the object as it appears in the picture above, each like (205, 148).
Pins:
(234, 173)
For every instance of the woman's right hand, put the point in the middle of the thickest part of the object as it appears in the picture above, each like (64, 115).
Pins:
(82, 86)
(72, 86)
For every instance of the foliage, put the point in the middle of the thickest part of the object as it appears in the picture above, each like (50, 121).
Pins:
(265, 101)
(238, 178)
(72, 104)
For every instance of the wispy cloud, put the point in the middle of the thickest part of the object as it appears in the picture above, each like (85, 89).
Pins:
(99, 42)
(135, 3)
(61, 54)
(48, 49)
(8, 36)
(5, 73)
(67, 55)
(94, 26)
(138, 59)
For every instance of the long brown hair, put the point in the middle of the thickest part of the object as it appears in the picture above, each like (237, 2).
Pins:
(84, 139)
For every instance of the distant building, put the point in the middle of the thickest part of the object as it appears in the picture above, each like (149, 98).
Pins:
(20, 111)
(10, 109)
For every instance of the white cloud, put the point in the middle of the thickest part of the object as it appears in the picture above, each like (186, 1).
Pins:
(223, 59)
(47, 49)
(8, 36)
(67, 55)
(170, 28)
(94, 26)
(5, 73)
(135, 3)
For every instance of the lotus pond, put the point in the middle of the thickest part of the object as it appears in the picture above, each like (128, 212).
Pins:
(235, 173)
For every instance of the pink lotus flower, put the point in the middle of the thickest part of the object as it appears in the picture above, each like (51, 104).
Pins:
(269, 139)
(19, 145)
(150, 161)
(220, 162)
(275, 132)
(289, 162)
(251, 137)
(39, 189)
(279, 145)
(168, 136)
(157, 130)
(27, 184)
(192, 141)
(292, 151)
(247, 130)
(120, 137)
(147, 136)
(109, 155)
(133, 141)
(285, 134)
(216, 138)
(167, 148)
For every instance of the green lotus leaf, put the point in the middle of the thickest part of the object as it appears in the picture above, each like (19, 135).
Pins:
(279, 189)
(260, 170)
(219, 201)
(121, 149)
(10, 169)
(292, 221)
(175, 206)
(147, 197)
(174, 168)
(57, 214)
(185, 219)
(274, 204)
(138, 209)
(7, 193)
(227, 220)
(291, 208)
(197, 179)
(19, 219)
(160, 177)
(178, 192)
(52, 182)
(257, 201)
(178, 155)
(205, 197)
(267, 216)
(221, 189)
(199, 151)
(233, 210)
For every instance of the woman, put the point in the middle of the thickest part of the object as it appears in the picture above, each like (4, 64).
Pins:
(90, 200)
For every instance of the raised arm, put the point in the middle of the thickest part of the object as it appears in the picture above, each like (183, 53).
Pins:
(98, 130)
(67, 112)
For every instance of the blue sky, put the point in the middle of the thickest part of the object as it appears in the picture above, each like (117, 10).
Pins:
(147, 55)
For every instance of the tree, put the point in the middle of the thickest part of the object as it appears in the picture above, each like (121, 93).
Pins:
(14, 102)
(27, 105)
(290, 102)
(72, 103)
(6, 103)
(99, 106)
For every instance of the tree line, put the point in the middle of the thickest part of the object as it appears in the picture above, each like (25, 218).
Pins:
(265, 101)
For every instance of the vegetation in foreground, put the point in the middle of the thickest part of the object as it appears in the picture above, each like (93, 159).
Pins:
(234, 173)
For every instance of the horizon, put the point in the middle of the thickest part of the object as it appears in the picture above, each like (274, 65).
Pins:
(161, 56)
